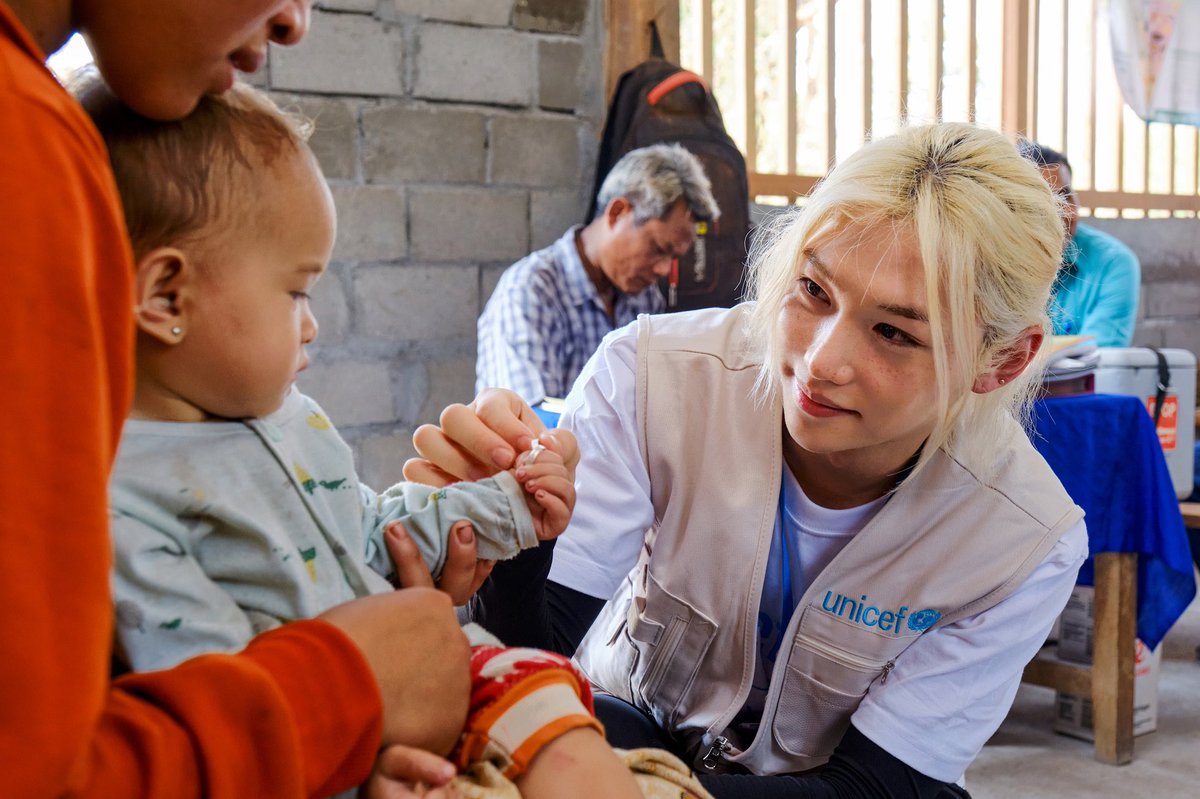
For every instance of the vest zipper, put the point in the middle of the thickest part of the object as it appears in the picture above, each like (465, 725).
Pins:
(842, 656)
(663, 653)
(713, 756)
(887, 669)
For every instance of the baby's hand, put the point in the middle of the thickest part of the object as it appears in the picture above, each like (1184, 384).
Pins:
(549, 491)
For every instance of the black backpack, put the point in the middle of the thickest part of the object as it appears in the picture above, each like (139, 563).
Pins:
(658, 101)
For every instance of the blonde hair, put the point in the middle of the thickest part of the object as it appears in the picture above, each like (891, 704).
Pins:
(990, 236)
(175, 178)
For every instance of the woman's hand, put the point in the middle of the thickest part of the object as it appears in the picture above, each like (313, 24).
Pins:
(477, 440)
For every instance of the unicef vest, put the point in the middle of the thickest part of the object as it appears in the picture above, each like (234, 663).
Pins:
(678, 639)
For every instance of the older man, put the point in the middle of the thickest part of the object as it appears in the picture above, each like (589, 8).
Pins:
(1097, 289)
(552, 308)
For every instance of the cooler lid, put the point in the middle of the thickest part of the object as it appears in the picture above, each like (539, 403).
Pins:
(1143, 357)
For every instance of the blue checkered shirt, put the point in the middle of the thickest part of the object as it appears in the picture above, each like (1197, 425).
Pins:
(545, 319)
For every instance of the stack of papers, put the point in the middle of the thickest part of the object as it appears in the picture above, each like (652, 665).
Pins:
(1072, 362)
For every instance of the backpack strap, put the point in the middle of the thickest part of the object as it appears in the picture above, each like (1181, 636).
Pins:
(671, 83)
(656, 45)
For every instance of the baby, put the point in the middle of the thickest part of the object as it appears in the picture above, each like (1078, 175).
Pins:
(235, 504)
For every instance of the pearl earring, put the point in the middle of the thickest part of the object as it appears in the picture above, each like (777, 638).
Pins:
(177, 331)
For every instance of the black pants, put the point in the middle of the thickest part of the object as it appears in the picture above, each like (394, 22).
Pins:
(859, 769)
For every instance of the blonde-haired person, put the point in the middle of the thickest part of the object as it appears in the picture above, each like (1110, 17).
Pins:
(811, 532)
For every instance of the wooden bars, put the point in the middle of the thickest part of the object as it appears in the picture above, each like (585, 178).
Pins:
(1004, 70)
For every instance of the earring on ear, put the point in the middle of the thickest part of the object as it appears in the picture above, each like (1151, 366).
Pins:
(1002, 380)
(177, 331)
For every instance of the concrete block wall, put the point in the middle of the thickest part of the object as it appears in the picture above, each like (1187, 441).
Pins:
(457, 136)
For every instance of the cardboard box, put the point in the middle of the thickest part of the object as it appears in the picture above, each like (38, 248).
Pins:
(1073, 714)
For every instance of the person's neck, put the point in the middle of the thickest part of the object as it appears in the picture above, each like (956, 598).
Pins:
(843, 480)
(587, 243)
(155, 401)
(48, 21)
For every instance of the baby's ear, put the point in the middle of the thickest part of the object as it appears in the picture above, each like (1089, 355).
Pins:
(162, 278)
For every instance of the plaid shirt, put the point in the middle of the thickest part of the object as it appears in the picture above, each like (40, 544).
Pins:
(545, 319)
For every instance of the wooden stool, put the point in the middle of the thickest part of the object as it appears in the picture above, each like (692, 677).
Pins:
(1109, 680)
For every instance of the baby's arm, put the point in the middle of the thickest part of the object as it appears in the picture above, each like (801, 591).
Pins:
(531, 717)
(167, 609)
(495, 506)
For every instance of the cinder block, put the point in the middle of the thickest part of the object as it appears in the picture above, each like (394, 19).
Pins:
(450, 380)
(334, 138)
(552, 16)
(1169, 249)
(535, 151)
(370, 223)
(329, 305)
(1151, 333)
(558, 74)
(480, 65)
(381, 459)
(1172, 299)
(432, 144)
(342, 54)
(551, 213)
(359, 6)
(407, 303)
(1183, 334)
(489, 276)
(468, 224)
(351, 391)
(472, 12)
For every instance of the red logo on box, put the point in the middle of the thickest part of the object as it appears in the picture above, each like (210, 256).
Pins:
(1168, 420)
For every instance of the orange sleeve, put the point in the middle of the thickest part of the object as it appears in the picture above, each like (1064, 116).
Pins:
(298, 713)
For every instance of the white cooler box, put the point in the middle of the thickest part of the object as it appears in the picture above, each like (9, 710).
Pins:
(1134, 371)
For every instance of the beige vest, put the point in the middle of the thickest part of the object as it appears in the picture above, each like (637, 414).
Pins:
(678, 639)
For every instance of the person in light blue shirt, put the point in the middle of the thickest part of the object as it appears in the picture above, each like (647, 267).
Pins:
(551, 309)
(1096, 293)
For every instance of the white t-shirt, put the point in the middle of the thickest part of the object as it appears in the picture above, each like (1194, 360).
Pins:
(948, 692)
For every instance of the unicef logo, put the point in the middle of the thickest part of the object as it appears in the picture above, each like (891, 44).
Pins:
(923, 619)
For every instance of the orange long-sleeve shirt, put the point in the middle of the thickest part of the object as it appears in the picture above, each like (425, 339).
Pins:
(297, 713)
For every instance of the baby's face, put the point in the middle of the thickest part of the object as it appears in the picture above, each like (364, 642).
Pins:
(251, 320)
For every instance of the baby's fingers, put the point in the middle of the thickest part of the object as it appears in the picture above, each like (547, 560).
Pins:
(536, 471)
(556, 497)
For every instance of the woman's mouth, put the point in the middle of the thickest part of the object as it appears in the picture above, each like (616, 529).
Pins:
(816, 405)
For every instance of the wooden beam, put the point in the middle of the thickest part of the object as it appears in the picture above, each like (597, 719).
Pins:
(1014, 100)
(1048, 671)
(1115, 627)
(790, 186)
(1191, 510)
(627, 30)
(1138, 200)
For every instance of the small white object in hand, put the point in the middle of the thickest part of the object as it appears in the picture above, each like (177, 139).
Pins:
(537, 449)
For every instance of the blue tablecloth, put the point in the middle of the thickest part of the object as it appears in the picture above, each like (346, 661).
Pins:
(1106, 453)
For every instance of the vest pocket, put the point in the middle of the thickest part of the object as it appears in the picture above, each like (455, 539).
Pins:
(815, 717)
(831, 666)
(674, 638)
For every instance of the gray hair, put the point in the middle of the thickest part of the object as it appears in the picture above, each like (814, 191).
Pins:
(653, 179)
